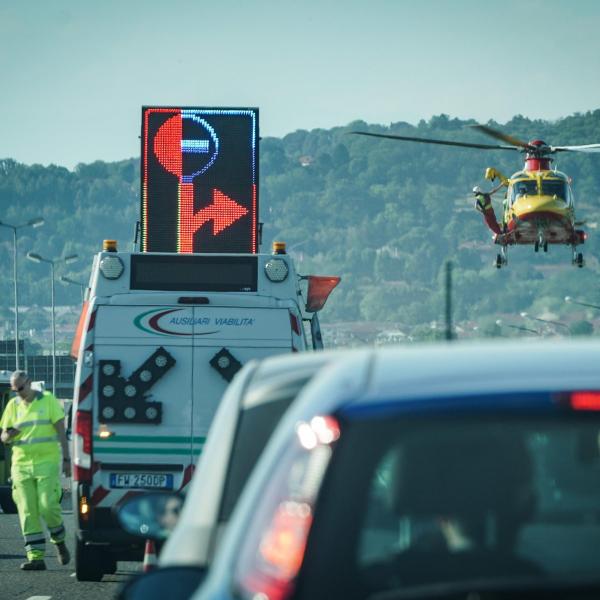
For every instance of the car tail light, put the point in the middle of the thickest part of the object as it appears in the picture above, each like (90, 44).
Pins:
(273, 548)
(585, 400)
(82, 441)
(284, 543)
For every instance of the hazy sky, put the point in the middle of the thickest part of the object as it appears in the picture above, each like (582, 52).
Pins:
(75, 73)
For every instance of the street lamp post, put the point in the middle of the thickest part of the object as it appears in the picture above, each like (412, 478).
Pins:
(556, 323)
(570, 300)
(501, 324)
(52, 262)
(31, 223)
(81, 285)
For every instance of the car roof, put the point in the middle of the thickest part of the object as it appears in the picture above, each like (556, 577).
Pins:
(430, 371)
(481, 368)
(366, 377)
(281, 370)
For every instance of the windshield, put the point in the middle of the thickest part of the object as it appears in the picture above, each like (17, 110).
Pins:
(411, 503)
(554, 187)
(527, 187)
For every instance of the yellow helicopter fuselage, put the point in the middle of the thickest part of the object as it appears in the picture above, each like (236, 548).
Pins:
(539, 206)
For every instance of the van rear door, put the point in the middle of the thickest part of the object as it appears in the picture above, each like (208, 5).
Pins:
(143, 402)
(225, 339)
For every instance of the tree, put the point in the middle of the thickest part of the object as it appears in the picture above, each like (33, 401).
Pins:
(581, 327)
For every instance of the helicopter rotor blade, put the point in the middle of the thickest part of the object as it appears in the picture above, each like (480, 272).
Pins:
(509, 139)
(432, 141)
(582, 148)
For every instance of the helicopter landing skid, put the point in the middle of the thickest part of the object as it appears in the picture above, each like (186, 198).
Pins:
(540, 242)
(501, 258)
(577, 260)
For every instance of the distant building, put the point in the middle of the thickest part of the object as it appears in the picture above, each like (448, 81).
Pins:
(306, 160)
(38, 365)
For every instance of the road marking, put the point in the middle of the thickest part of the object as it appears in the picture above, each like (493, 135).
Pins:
(39, 597)
(72, 574)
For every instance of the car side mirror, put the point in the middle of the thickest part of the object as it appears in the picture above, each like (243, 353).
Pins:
(150, 516)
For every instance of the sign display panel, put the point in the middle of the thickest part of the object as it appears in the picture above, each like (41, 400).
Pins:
(199, 180)
(197, 273)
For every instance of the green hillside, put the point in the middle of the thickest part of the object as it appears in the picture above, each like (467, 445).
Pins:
(384, 215)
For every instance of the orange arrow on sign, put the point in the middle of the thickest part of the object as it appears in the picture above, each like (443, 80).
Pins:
(222, 212)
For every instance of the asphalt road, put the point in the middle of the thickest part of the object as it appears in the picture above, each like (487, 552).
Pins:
(57, 582)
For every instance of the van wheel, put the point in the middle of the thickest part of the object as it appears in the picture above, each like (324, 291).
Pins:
(89, 565)
(109, 564)
(7, 503)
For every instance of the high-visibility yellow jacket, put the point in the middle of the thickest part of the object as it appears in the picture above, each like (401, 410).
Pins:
(38, 441)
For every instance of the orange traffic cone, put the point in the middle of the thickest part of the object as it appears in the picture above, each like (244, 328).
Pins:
(150, 560)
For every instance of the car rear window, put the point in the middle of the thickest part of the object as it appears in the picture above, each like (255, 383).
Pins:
(413, 502)
(255, 426)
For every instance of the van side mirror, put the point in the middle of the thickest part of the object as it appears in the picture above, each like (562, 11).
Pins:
(319, 288)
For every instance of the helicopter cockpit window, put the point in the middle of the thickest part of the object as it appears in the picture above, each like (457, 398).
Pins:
(524, 188)
(554, 187)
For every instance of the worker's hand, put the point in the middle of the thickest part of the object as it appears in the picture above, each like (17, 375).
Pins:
(9, 434)
(66, 467)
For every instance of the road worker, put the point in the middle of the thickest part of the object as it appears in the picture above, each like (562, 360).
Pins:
(33, 424)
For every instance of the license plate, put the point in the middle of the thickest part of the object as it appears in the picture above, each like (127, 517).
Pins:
(148, 481)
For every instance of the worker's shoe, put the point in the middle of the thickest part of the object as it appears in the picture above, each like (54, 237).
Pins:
(34, 565)
(64, 556)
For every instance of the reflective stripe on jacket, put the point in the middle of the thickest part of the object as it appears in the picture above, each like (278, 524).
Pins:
(38, 439)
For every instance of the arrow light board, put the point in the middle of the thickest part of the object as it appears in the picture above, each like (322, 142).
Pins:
(199, 180)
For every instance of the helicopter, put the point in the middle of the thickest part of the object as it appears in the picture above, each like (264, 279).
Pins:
(538, 207)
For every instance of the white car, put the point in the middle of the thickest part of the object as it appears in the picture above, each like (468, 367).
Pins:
(249, 411)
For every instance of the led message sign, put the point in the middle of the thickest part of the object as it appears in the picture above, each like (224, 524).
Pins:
(199, 180)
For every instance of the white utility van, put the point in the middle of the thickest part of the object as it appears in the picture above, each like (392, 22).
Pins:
(160, 337)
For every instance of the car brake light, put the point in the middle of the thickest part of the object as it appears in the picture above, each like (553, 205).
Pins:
(320, 430)
(281, 551)
(585, 400)
(283, 545)
(82, 440)
(274, 545)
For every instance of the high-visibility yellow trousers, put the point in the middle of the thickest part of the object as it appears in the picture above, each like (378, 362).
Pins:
(37, 494)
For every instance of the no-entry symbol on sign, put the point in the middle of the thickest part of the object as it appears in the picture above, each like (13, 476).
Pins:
(199, 179)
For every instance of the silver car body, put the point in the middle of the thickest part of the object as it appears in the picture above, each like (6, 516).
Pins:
(416, 374)
(199, 528)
